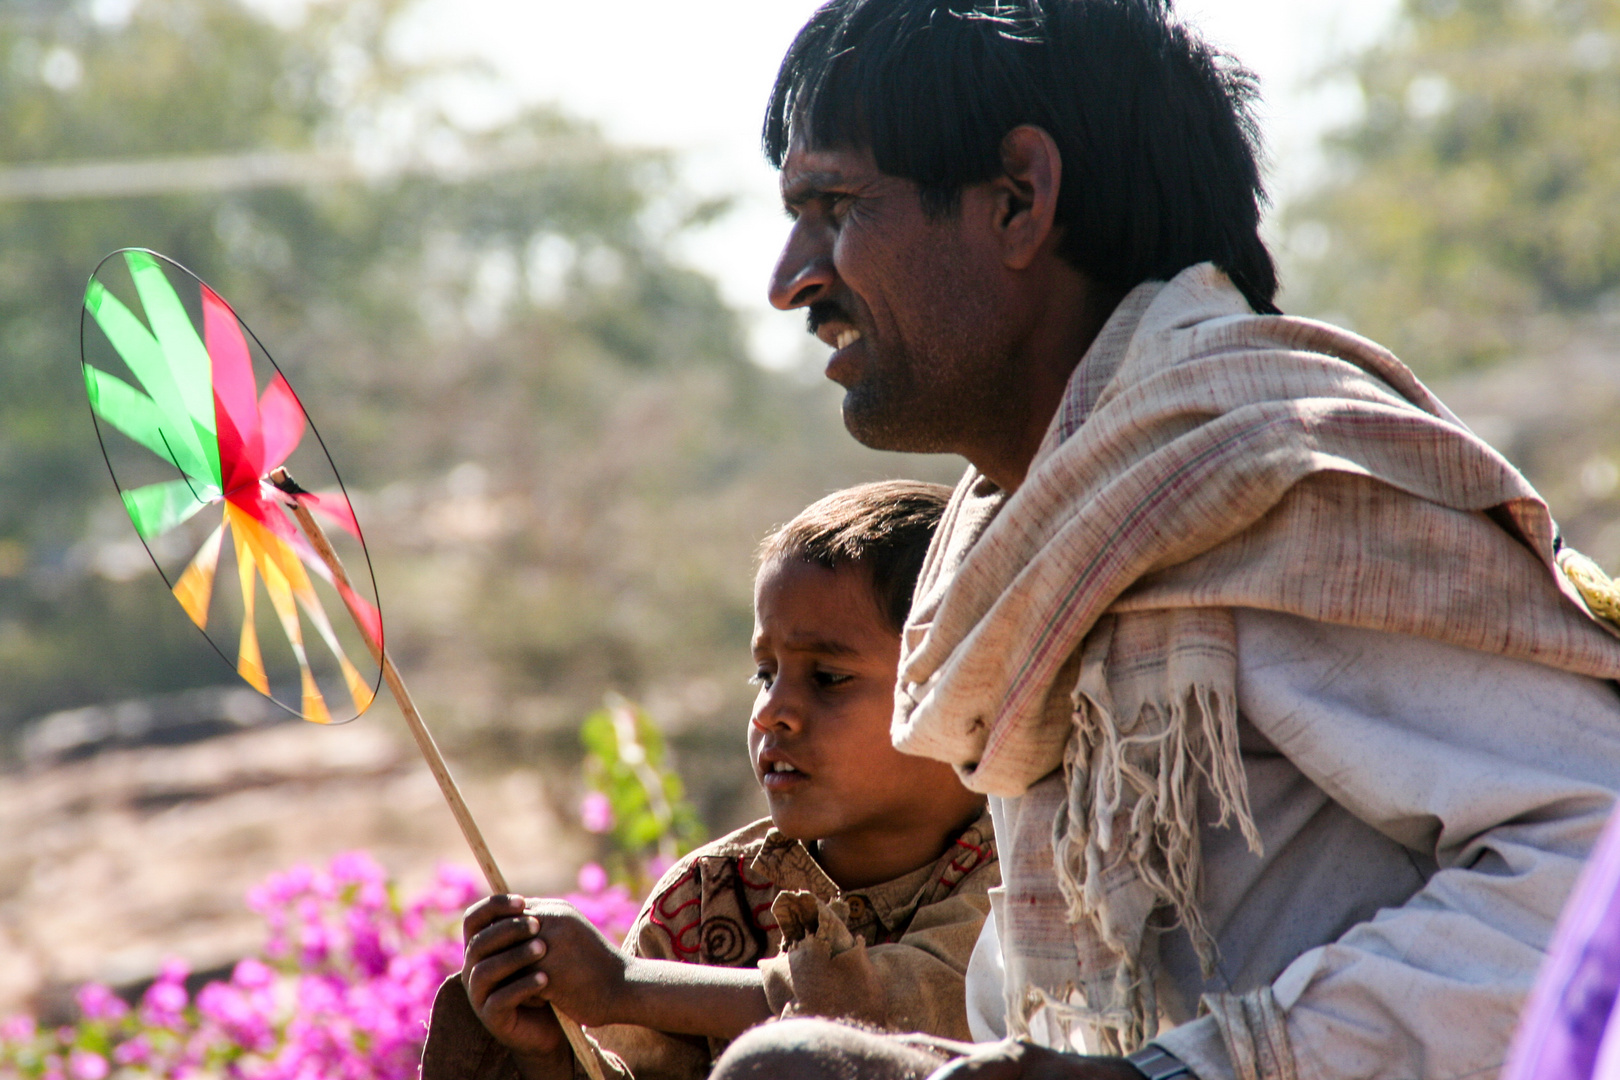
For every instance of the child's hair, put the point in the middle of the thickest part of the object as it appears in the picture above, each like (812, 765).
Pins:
(884, 527)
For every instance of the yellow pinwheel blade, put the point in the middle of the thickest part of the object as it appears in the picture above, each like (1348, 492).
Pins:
(249, 661)
(195, 589)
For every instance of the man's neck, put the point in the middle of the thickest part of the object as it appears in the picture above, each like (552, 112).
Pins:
(1071, 320)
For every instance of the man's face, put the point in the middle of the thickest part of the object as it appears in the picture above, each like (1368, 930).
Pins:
(909, 303)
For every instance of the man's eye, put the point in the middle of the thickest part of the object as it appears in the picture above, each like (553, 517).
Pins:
(762, 678)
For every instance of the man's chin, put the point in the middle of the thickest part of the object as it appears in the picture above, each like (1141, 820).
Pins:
(884, 422)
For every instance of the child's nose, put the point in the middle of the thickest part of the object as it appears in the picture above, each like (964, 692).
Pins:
(777, 710)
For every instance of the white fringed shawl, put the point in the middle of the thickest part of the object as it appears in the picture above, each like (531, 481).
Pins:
(1205, 458)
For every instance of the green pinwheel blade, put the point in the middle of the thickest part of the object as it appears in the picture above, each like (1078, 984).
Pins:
(172, 366)
(188, 356)
(139, 417)
(157, 508)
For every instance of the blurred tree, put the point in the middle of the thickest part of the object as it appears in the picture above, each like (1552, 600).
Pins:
(562, 455)
(1472, 210)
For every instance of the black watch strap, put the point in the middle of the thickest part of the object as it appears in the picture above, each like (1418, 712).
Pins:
(1156, 1063)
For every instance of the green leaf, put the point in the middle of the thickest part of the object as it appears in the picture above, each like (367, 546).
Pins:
(596, 733)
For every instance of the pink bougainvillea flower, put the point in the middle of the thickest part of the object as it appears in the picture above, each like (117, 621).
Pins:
(97, 1002)
(596, 813)
(355, 1008)
(592, 878)
(17, 1029)
(658, 866)
(136, 1051)
(252, 974)
(87, 1065)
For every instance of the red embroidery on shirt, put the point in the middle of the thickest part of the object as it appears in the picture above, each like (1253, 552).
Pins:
(959, 866)
(659, 908)
(751, 884)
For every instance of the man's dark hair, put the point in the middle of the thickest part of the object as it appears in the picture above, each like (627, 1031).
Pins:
(1159, 143)
(884, 528)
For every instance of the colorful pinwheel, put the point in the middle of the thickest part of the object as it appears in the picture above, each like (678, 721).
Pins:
(199, 410)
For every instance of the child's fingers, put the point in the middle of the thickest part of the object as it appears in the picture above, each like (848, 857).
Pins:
(491, 973)
(500, 936)
(489, 910)
(527, 989)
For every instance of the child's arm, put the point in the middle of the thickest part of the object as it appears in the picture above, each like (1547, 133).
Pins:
(520, 956)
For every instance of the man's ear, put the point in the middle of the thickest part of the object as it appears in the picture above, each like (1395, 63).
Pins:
(1026, 194)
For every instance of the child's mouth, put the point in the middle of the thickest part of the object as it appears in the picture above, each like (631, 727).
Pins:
(780, 776)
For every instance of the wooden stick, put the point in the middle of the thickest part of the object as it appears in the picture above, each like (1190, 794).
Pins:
(424, 742)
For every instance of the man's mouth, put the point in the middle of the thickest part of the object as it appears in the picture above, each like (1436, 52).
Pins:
(846, 339)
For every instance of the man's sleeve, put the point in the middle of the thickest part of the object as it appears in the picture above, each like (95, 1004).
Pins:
(1497, 774)
(913, 985)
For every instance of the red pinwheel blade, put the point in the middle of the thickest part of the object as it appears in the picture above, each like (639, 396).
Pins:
(193, 415)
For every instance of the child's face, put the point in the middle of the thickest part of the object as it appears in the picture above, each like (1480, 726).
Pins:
(819, 739)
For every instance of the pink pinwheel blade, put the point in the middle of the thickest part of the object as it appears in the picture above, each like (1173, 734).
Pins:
(334, 506)
(236, 404)
(281, 419)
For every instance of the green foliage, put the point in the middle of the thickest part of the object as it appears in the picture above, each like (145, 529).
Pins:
(626, 761)
(1474, 200)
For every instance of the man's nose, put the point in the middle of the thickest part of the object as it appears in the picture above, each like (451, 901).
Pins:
(804, 271)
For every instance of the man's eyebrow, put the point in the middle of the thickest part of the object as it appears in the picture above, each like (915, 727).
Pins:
(809, 186)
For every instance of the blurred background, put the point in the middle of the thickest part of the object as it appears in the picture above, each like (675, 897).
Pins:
(511, 254)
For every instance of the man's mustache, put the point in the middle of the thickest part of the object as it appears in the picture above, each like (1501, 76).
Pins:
(823, 312)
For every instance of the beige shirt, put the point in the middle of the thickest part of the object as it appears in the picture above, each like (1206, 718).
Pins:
(1425, 811)
(893, 955)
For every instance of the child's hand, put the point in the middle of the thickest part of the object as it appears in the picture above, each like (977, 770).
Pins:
(581, 972)
(522, 956)
(503, 983)
(525, 956)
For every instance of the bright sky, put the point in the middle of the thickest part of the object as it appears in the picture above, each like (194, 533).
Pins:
(694, 77)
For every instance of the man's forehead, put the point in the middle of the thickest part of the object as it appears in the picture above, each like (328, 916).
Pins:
(808, 170)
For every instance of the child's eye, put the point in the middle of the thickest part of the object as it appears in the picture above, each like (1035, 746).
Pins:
(832, 678)
(762, 678)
